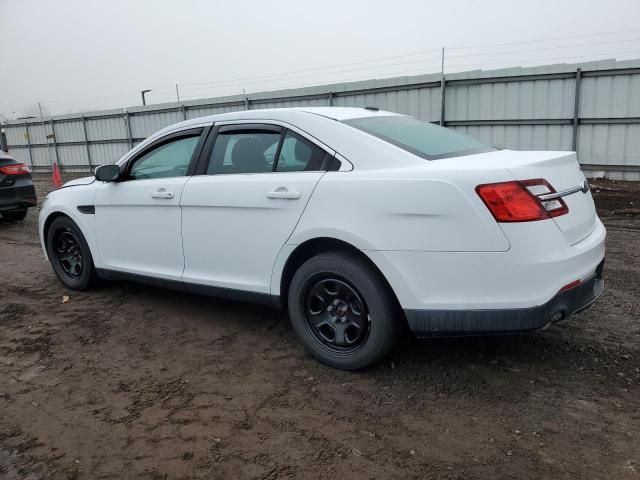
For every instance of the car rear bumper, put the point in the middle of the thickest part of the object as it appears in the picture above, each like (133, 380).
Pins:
(528, 275)
(503, 321)
(16, 198)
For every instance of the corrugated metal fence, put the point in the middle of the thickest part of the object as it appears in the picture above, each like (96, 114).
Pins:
(593, 108)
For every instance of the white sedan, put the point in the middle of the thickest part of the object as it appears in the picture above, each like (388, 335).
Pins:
(359, 223)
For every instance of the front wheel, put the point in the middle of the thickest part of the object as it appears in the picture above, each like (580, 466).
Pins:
(342, 311)
(69, 254)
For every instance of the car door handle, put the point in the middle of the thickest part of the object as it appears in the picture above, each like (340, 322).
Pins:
(162, 193)
(283, 192)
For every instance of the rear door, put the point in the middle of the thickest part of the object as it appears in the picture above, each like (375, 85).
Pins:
(239, 213)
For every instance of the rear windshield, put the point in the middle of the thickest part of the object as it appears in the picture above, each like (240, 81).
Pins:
(420, 138)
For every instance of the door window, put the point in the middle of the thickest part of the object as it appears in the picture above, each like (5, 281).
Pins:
(299, 154)
(168, 160)
(244, 152)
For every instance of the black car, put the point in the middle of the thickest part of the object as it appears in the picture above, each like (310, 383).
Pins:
(16, 188)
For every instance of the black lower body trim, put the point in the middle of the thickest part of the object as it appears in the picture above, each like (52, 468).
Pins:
(210, 291)
(502, 321)
(18, 205)
(87, 209)
(17, 197)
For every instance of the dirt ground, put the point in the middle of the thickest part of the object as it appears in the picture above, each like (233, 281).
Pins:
(130, 381)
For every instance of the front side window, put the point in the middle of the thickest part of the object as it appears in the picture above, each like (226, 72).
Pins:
(168, 160)
(244, 152)
(420, 138)
(298, 154)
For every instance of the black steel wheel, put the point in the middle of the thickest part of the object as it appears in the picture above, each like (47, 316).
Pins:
(69, 254)
(343, 311)
(336, 314)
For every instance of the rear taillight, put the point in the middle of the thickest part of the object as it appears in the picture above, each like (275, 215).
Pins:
(541, 188)
(18, 169)
(519, 201)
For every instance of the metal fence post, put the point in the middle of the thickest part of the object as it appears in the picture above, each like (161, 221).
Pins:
(442, 97)
(576, 111)
(184, 112)
(246, 103)
(86, 141)
(3, 139)
(55, 143)
(26, 127)
(330, 97)
(128, 125)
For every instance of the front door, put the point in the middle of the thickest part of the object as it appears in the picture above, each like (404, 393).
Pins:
(237, 217)
(138, 219)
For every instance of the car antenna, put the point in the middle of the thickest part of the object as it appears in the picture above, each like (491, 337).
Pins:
(373, 109)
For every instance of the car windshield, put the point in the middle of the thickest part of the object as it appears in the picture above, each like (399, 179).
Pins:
(420, 138)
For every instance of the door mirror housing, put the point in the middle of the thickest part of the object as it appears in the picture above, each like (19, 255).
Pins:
(108, 173)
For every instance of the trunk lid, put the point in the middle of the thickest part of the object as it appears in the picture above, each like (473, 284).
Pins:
(562, 171)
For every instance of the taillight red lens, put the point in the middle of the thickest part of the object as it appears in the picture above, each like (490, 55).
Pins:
(18, 169)
(511, 202)
(521, 201)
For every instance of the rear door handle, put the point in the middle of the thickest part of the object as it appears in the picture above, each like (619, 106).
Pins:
(162, 193)
(283, 192)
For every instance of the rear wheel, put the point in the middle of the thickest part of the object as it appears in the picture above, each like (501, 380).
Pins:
(342, 311)
(14, 215)
(69, 254)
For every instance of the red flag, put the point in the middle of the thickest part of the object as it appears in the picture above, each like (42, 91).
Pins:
(56, 178)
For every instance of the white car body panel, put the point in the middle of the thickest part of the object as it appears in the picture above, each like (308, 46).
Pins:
(420, 222)
(561, 169)
(65, 201)
(80, 181)
(401, 209)
(232, 231)
(483, 280)
(137, 233)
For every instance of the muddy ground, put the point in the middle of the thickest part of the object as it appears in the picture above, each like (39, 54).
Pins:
(130, 381)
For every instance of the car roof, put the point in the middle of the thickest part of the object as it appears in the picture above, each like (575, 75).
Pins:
(332, 113)
(342, 113)
(322, 123)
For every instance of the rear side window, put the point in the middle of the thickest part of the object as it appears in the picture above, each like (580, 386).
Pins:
(420, 138)
(298, 154)
(244, 152)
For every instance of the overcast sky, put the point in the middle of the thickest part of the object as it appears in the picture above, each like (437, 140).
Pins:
(75, 55)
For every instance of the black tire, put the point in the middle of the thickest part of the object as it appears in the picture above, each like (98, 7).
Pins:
(14, 215)
(317, 295)
(65, 246)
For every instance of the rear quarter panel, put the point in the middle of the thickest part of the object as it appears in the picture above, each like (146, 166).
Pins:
(402, 209)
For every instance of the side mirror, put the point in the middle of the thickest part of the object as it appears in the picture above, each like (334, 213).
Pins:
(108, 173)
